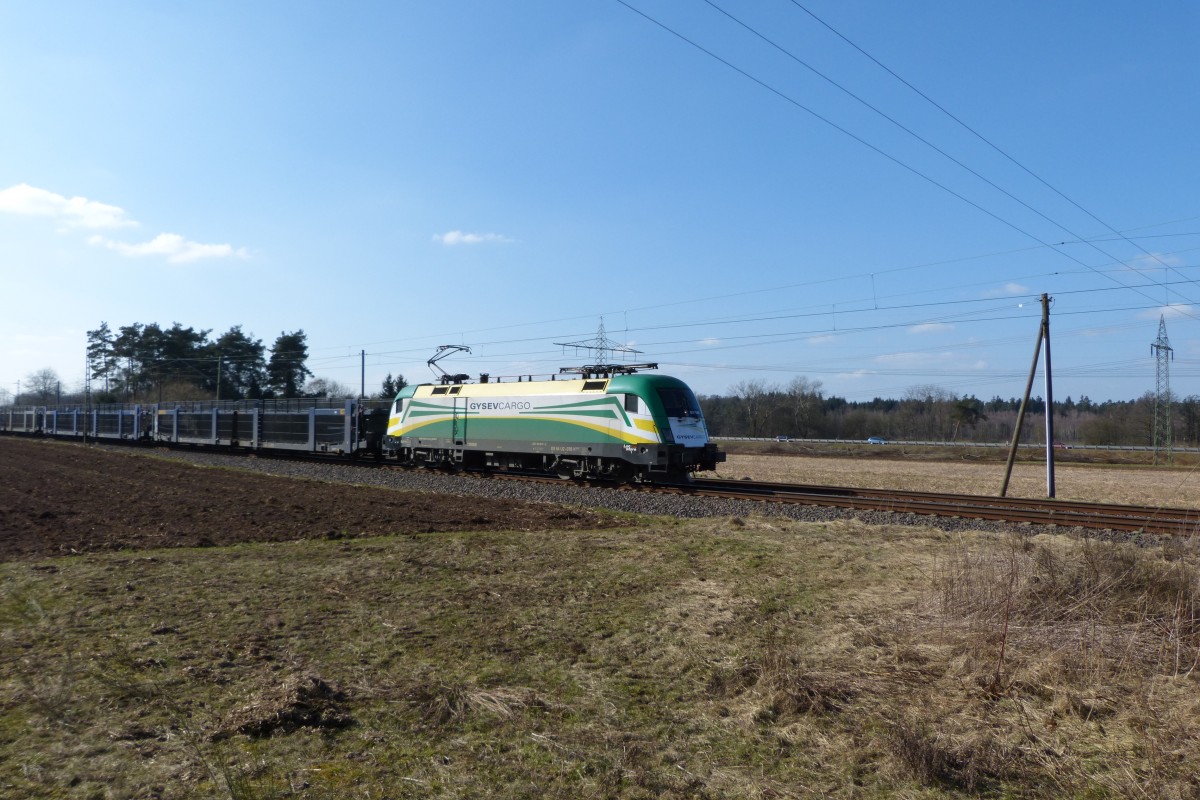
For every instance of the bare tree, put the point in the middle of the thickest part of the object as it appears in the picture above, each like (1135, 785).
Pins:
(804, 401)
(329, 389)
(44, 384)
(927, 407)
(756, 402)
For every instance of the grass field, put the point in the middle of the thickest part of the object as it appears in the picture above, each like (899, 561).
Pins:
(738, 658)
(1130, 483)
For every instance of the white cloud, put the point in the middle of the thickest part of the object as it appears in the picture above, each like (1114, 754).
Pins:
(79, 212)
(458, 237)
(173, 247)
(821, 339)
(858, 374)
(1154, 261)
(1170, 311)
(711, 341)
(72, 212)
(931, 327)
(1007, 290)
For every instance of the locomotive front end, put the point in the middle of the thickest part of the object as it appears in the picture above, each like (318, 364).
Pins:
(686, 447)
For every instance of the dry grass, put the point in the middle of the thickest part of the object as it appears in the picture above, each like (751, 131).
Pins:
(1131, 485)
(738, 658)
(1083, 644)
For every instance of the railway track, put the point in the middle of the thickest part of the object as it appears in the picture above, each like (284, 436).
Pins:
(1064, 513)
(1069, 513)
(1034, 511)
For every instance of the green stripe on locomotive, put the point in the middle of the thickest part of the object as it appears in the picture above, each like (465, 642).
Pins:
(598, 421)
(519, 429)
(558, 412)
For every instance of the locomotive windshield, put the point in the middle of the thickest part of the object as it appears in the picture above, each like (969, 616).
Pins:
(679, 403)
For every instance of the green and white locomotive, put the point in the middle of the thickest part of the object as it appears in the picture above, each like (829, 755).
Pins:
(611, 426)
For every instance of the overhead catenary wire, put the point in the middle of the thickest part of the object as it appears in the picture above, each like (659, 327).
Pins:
(930, 144)
(874, 148)
(979, 135)
(863, 273)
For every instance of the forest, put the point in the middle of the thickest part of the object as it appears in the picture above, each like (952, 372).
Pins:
(801, 410)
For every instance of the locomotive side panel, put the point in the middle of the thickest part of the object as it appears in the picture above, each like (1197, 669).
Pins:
(617, 427)
(551, 418)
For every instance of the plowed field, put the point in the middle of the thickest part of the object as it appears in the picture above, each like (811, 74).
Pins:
(65, 499)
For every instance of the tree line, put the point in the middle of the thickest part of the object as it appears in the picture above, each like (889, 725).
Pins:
(150, 363)
(800, 409)
(147, 361)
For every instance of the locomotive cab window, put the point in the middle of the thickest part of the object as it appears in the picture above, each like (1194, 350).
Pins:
(631, 403)
(594, 386)
(440, 390)
(679, 403)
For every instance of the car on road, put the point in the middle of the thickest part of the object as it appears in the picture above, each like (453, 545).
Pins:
(876, 440)
(783, 438)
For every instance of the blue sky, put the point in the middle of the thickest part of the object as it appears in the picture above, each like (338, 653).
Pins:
(391, 177)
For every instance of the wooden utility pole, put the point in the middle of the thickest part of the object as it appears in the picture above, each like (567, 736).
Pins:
(1049, 399)
(1042, 337)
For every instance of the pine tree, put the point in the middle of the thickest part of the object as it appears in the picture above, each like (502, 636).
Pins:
(286, 371)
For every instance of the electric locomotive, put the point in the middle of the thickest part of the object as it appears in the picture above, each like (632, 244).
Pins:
(609, 423)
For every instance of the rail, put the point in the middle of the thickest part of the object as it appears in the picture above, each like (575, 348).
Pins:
(1069, 513)
(936, 443)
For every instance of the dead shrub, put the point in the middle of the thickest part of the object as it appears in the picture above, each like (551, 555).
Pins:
(442, 703)
(732, 680)
(784, 682)
(936, 760)
(52, 691)
(304, 701)
(1099, 609)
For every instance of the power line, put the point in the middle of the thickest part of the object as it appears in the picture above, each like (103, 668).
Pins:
(773, 290)
(978, 135)
(920, 138)
(846, 132)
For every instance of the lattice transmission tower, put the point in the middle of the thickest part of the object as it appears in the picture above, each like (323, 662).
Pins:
(1161, 348)
(604, 351)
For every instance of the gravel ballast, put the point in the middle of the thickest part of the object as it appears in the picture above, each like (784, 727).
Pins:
(582, 495)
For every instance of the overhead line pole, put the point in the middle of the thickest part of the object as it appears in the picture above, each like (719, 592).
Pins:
(1043, 336)
(1049, 399)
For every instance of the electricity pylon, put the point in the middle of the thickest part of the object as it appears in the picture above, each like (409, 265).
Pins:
(604, 351)
(1162, 395)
